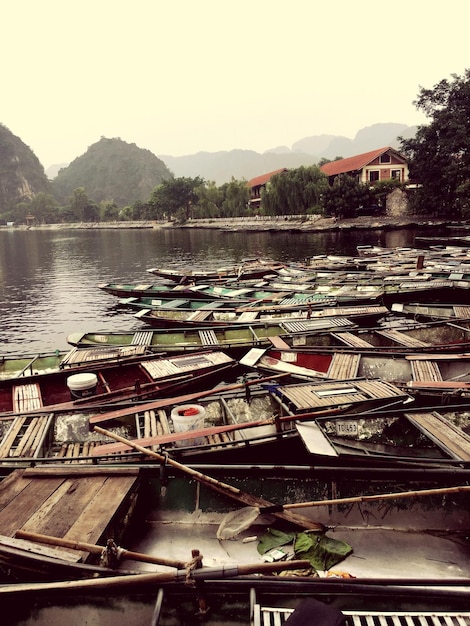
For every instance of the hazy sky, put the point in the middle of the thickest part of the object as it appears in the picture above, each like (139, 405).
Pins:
(183, 76)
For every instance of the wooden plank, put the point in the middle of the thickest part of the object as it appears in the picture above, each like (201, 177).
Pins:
(443, 432)
(26, 397)
(9, 438)
(350, 339)
(208, 337)
(344, 366)
(99, 511)
(279, 343)
(21, 508)
(403, 339)
(199, 316)
(425, 370)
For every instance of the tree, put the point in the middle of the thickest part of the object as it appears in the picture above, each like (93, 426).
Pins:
(210, 199)
(175, 198)
(345, 195)
(81, 208)
(236, 198)
(44, 208)
(439, 154)
(294, 192)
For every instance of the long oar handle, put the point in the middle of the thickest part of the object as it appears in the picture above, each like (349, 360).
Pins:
(228, 490)
(353, 499)
(94, 549)
(225, 571)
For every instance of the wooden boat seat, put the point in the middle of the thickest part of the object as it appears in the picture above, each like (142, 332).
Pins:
(403, 339)
(425, 370)
(278, 342)
(277, 616)
(350, 339)
(174, 304)
(77, 356)
(208, 337)
(462, 311)
(248, 316)
(26, 397)
(26, 436)
(142, 338)
(344, 366)
(199, 316)
(78, 450)
(447, 436)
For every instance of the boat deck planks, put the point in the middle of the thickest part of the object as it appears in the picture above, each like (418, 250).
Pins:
(79, 356)
(435, 426)
(71, 504)
(344, 366)
(25, 436)
(402, 339)
(208, 337)
(462, 311)
(142, 338)
(26, 397)
(350, 339)
(425, 370)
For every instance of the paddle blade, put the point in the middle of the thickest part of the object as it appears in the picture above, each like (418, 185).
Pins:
(237, 521)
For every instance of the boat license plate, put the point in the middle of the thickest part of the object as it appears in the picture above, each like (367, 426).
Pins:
(346, 428)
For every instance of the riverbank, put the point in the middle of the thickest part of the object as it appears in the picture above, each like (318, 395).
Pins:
(259, 224)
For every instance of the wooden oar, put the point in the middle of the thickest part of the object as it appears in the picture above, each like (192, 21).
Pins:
(238, 521)
(159, 404)
(94, 549)
(113, 448)
(224, 488)
(227, 571)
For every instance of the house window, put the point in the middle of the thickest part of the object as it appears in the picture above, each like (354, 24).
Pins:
(396, 174)
(374, 176)
(385, 158)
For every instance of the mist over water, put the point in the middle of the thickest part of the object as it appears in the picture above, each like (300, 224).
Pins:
(49, 279)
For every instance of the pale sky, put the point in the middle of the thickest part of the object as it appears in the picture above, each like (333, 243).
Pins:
(182, 76)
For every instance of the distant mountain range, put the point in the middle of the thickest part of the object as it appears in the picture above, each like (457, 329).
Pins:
(221, 167)
(114, 170)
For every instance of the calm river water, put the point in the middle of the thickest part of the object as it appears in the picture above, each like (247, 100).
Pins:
(48, 279)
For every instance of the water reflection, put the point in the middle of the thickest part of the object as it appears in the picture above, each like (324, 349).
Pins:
(48, 279)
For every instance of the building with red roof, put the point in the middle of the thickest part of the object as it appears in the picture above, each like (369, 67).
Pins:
(370, 167)
(257, 184)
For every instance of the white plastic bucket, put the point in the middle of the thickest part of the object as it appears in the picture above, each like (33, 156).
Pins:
(188, 417)
(82, 385)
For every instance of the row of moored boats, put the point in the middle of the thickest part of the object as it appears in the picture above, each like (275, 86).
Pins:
(268, 443)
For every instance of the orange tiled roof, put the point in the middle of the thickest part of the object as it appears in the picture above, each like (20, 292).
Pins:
(352, 164)
(264, 178)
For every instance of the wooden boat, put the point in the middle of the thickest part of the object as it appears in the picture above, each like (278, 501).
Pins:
(251, 421)
(251, 268)
(148, 290)
(246, 601)
(260, 316)
(436, 377)
(108, 383)
(179, 306)
(312, 528)
(460, 241)
(399, 336)
(433, 311)
(18, 365)
(229, 338)
(262, 428)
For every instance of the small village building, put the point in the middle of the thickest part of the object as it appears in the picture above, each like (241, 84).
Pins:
(257, 185)
(370, 167)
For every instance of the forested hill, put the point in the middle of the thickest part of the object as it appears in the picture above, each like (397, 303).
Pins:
(21, 174)
(112, 170)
